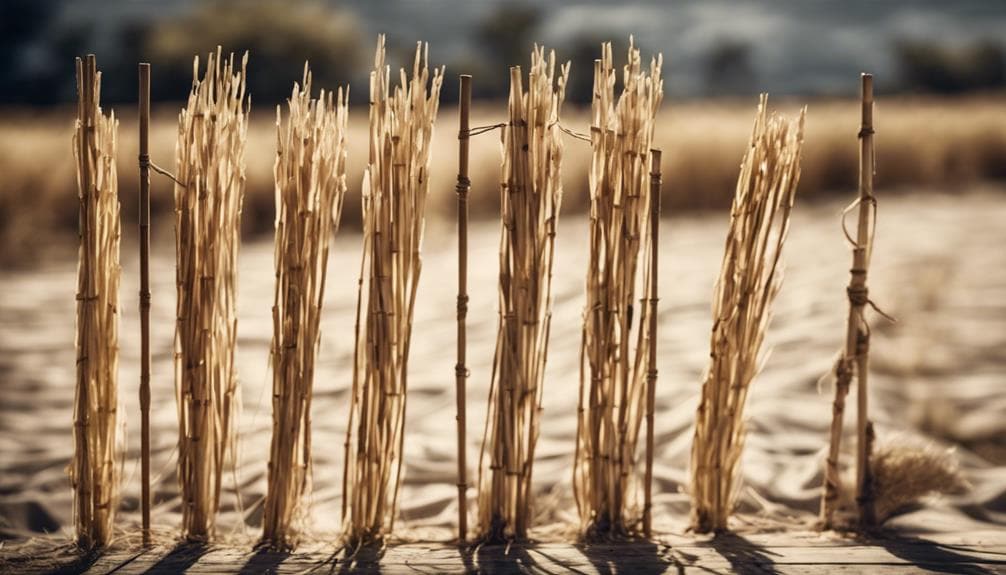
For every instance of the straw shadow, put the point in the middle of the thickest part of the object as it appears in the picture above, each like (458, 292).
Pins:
(934, 556)
(503, 559)
(180, 558)
(629, 556)
(364, 559)
(80, 562)
(265, 560)
(744, 556)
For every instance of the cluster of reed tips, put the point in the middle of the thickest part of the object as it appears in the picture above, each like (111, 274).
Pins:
(749, 280)
(530, 197)
(96, 468)
(395, 187)
(310, 173)
(613, 367)
(210, 186)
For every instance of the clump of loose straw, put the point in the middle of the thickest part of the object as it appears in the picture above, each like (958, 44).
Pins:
(395, 187)
(530, 196)
(613, 372)
(211, 176)
(310, 172)
(903, 474)
(748, 283)
(96, 467)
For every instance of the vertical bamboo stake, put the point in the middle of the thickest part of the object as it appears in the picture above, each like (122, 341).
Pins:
(651, 373)
(144, 161)
(461, 370)
(858, 297)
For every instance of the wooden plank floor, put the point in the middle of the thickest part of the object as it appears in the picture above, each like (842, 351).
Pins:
(724, 554)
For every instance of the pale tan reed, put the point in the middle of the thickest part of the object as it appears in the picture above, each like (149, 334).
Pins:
(310, 172)
(395, 188)
(606, 474)
(210, 167)
(749, 280)
(98, 430)
(530, 197)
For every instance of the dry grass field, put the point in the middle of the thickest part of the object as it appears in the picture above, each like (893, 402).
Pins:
(949, 144)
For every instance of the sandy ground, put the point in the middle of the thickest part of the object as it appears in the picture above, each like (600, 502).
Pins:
(939, 267)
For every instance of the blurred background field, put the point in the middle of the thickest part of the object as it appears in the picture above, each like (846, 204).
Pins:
(941, 73)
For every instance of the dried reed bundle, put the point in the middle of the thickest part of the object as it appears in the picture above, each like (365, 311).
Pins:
(310, 173)
(530, 197)
(395, 187)
(749, 281)
(612, 371)
(209, 159)
(96, 468)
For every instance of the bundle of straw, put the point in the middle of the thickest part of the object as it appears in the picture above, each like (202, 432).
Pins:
(749, 281)
(96, 467)
(310, 174)
(395, 187)
(612, 374)
(211, 178)
(530, 196)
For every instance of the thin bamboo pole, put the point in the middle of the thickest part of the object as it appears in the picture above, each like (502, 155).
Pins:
(461, 370)
(858, 297)
(651, 372)
(144, 160)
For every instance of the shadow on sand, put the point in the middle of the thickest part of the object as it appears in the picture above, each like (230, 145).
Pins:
(745, 557)
(933, 556)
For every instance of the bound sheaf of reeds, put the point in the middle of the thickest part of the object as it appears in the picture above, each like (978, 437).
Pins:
(530, 197)
(395, 188)
(210, 170)
(615, 343)
(98, 434)
(310, 173)
(749, 280)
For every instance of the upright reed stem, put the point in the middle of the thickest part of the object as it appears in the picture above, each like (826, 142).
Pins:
(144, 160)
(858, 298)
(651, 373)
(461, 370)
(855, 355)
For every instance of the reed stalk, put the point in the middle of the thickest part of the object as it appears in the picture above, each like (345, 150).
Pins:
(614, 386)
(96, 468)
(749, 280)
(395, 187)
(530, 197)
(651, 372)
(144, 161)
(858, 298)
(855, 355)
(310, 174)
(210, 169)
(461, 370)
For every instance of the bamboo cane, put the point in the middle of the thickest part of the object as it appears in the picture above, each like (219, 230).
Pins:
(144, 160)
(858, 297)
(651, 373)
(461, 371)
